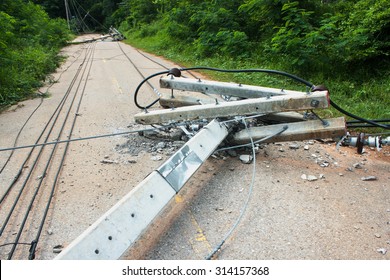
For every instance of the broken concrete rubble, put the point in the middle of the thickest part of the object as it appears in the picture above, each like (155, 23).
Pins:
(246, 159)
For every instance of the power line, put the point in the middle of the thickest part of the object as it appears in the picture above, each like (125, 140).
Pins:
(86, 138)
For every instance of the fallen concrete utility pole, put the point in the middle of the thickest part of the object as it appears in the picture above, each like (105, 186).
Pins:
(119, 228)
(245, 107)
(314, 129)
(103, 37)
(180, 99)
(229, 89)
(113, 33)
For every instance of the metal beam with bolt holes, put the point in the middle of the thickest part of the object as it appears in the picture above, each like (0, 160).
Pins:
(118, 229)
(222, 88)
(315, 100)
(298, 131)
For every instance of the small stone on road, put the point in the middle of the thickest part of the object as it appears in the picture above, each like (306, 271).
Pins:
(369, 178)
(246, 159)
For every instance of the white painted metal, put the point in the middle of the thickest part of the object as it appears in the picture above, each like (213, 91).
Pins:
(222, 88)
(117, 230)
(183, 164)
(111, 235)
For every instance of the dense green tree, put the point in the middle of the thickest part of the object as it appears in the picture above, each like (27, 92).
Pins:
(29, 42)
(54, 8)
(305, 33)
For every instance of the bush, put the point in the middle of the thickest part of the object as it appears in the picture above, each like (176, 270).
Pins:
(29, 42)
(366, 33)
(224, 42)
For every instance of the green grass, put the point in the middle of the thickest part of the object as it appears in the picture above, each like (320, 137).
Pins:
(361, 93)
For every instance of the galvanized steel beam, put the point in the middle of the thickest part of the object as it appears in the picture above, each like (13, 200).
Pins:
(180, 167)
(117, 230)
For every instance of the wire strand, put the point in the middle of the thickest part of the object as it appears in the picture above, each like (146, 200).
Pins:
(245, 206)
(256, 142)
(92, 137)
(36, 109)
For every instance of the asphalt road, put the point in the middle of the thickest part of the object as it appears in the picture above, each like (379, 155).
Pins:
(337, 216)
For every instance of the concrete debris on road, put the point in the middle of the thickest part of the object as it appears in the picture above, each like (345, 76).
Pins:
(246, 159)
(294, 146)
(160, 145)
(324, 164)
(156, 158)
(369, 178)
(383, 251)
(358, 166)
(310, 178)
(107, 161)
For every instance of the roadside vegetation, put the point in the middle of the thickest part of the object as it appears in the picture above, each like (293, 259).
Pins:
(29, 46)
(343, 44)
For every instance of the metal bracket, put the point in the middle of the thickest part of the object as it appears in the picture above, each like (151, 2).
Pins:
(325, 123)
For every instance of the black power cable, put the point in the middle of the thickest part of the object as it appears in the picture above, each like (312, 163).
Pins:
(312, 87)
(31, 115)
(162, 65)
(52, 120)
(34, 243)
(53, 117)
(357, 121)
(362, 125)
(373, 123)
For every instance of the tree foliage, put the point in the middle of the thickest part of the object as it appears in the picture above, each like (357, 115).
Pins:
(29, 42)
(307, 34)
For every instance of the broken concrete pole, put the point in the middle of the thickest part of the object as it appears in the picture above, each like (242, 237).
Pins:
(315, 100)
